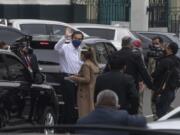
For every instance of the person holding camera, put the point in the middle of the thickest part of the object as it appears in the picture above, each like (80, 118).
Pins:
(165, 79)
(155, 53)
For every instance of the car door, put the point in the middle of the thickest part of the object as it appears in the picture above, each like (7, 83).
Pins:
(18, 84)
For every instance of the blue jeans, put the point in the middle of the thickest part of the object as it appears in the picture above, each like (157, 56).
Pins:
(164, 101)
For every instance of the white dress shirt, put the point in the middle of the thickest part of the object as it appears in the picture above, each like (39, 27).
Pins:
(69, 57)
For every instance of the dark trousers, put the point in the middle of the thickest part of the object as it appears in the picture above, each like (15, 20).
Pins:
(69, 96)
(163, 102)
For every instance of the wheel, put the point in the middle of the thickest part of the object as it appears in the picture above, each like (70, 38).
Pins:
(48, 119)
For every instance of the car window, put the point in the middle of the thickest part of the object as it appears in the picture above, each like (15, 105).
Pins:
(57, 29)
(34, 29)
(101, 54)
(3, 70)
(99, 32)
(165, 39)
(16, 69)
(110, 48)
(9, 36)
(52, 59)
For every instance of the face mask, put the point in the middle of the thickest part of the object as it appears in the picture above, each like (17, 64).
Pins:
(76, 43)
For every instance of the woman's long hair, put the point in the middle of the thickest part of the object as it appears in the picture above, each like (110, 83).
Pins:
(89, 53)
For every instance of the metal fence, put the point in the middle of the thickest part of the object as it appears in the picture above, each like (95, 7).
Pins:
(162, 15)
(158, 13)
(113, 10)
(174, 20)
(105, 11)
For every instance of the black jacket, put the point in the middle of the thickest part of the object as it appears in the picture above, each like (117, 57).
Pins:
(123, 85)
(110, 117)
(162, 73)
(135, 66)
(33, 62)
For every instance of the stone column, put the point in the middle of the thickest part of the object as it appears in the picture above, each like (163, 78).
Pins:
(139, 15)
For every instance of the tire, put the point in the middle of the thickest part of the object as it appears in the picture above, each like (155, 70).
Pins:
(48, 119)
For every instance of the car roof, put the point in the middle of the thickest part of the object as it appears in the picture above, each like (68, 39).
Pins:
(10, 28)
(36, 21)
(13, 30)
(92, 25)
(93, 40)
(40, 21)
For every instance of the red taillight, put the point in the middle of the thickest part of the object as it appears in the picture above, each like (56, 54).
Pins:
(44, 43)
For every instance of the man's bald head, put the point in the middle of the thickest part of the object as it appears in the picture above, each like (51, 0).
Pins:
(107, 98)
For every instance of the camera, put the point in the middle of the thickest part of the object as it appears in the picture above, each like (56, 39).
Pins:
(155, 52)
(21, 42)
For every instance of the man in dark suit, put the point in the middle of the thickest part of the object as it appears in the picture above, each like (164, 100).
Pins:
(106, 113)
(30, 61)
(134, 63)
(119, 82)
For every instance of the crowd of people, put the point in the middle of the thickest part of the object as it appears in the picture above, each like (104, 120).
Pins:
(114, 96)
(128, 73)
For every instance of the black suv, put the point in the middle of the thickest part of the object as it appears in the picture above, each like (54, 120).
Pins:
(20, 94)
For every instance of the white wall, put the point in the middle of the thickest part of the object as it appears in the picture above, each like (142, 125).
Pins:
(42, 2)
(139, 16)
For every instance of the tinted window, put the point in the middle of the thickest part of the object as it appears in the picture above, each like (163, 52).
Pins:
(146, 41)
(16, 69)
(9, 36)
(149, 35)
(110, 48)
(101, 53)
(98, 32)
(58, 29)
(165, 38)
(34, 29)
(42, 58)
(3, 70)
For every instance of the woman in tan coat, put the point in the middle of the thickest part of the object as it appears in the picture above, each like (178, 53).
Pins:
(86, 81)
